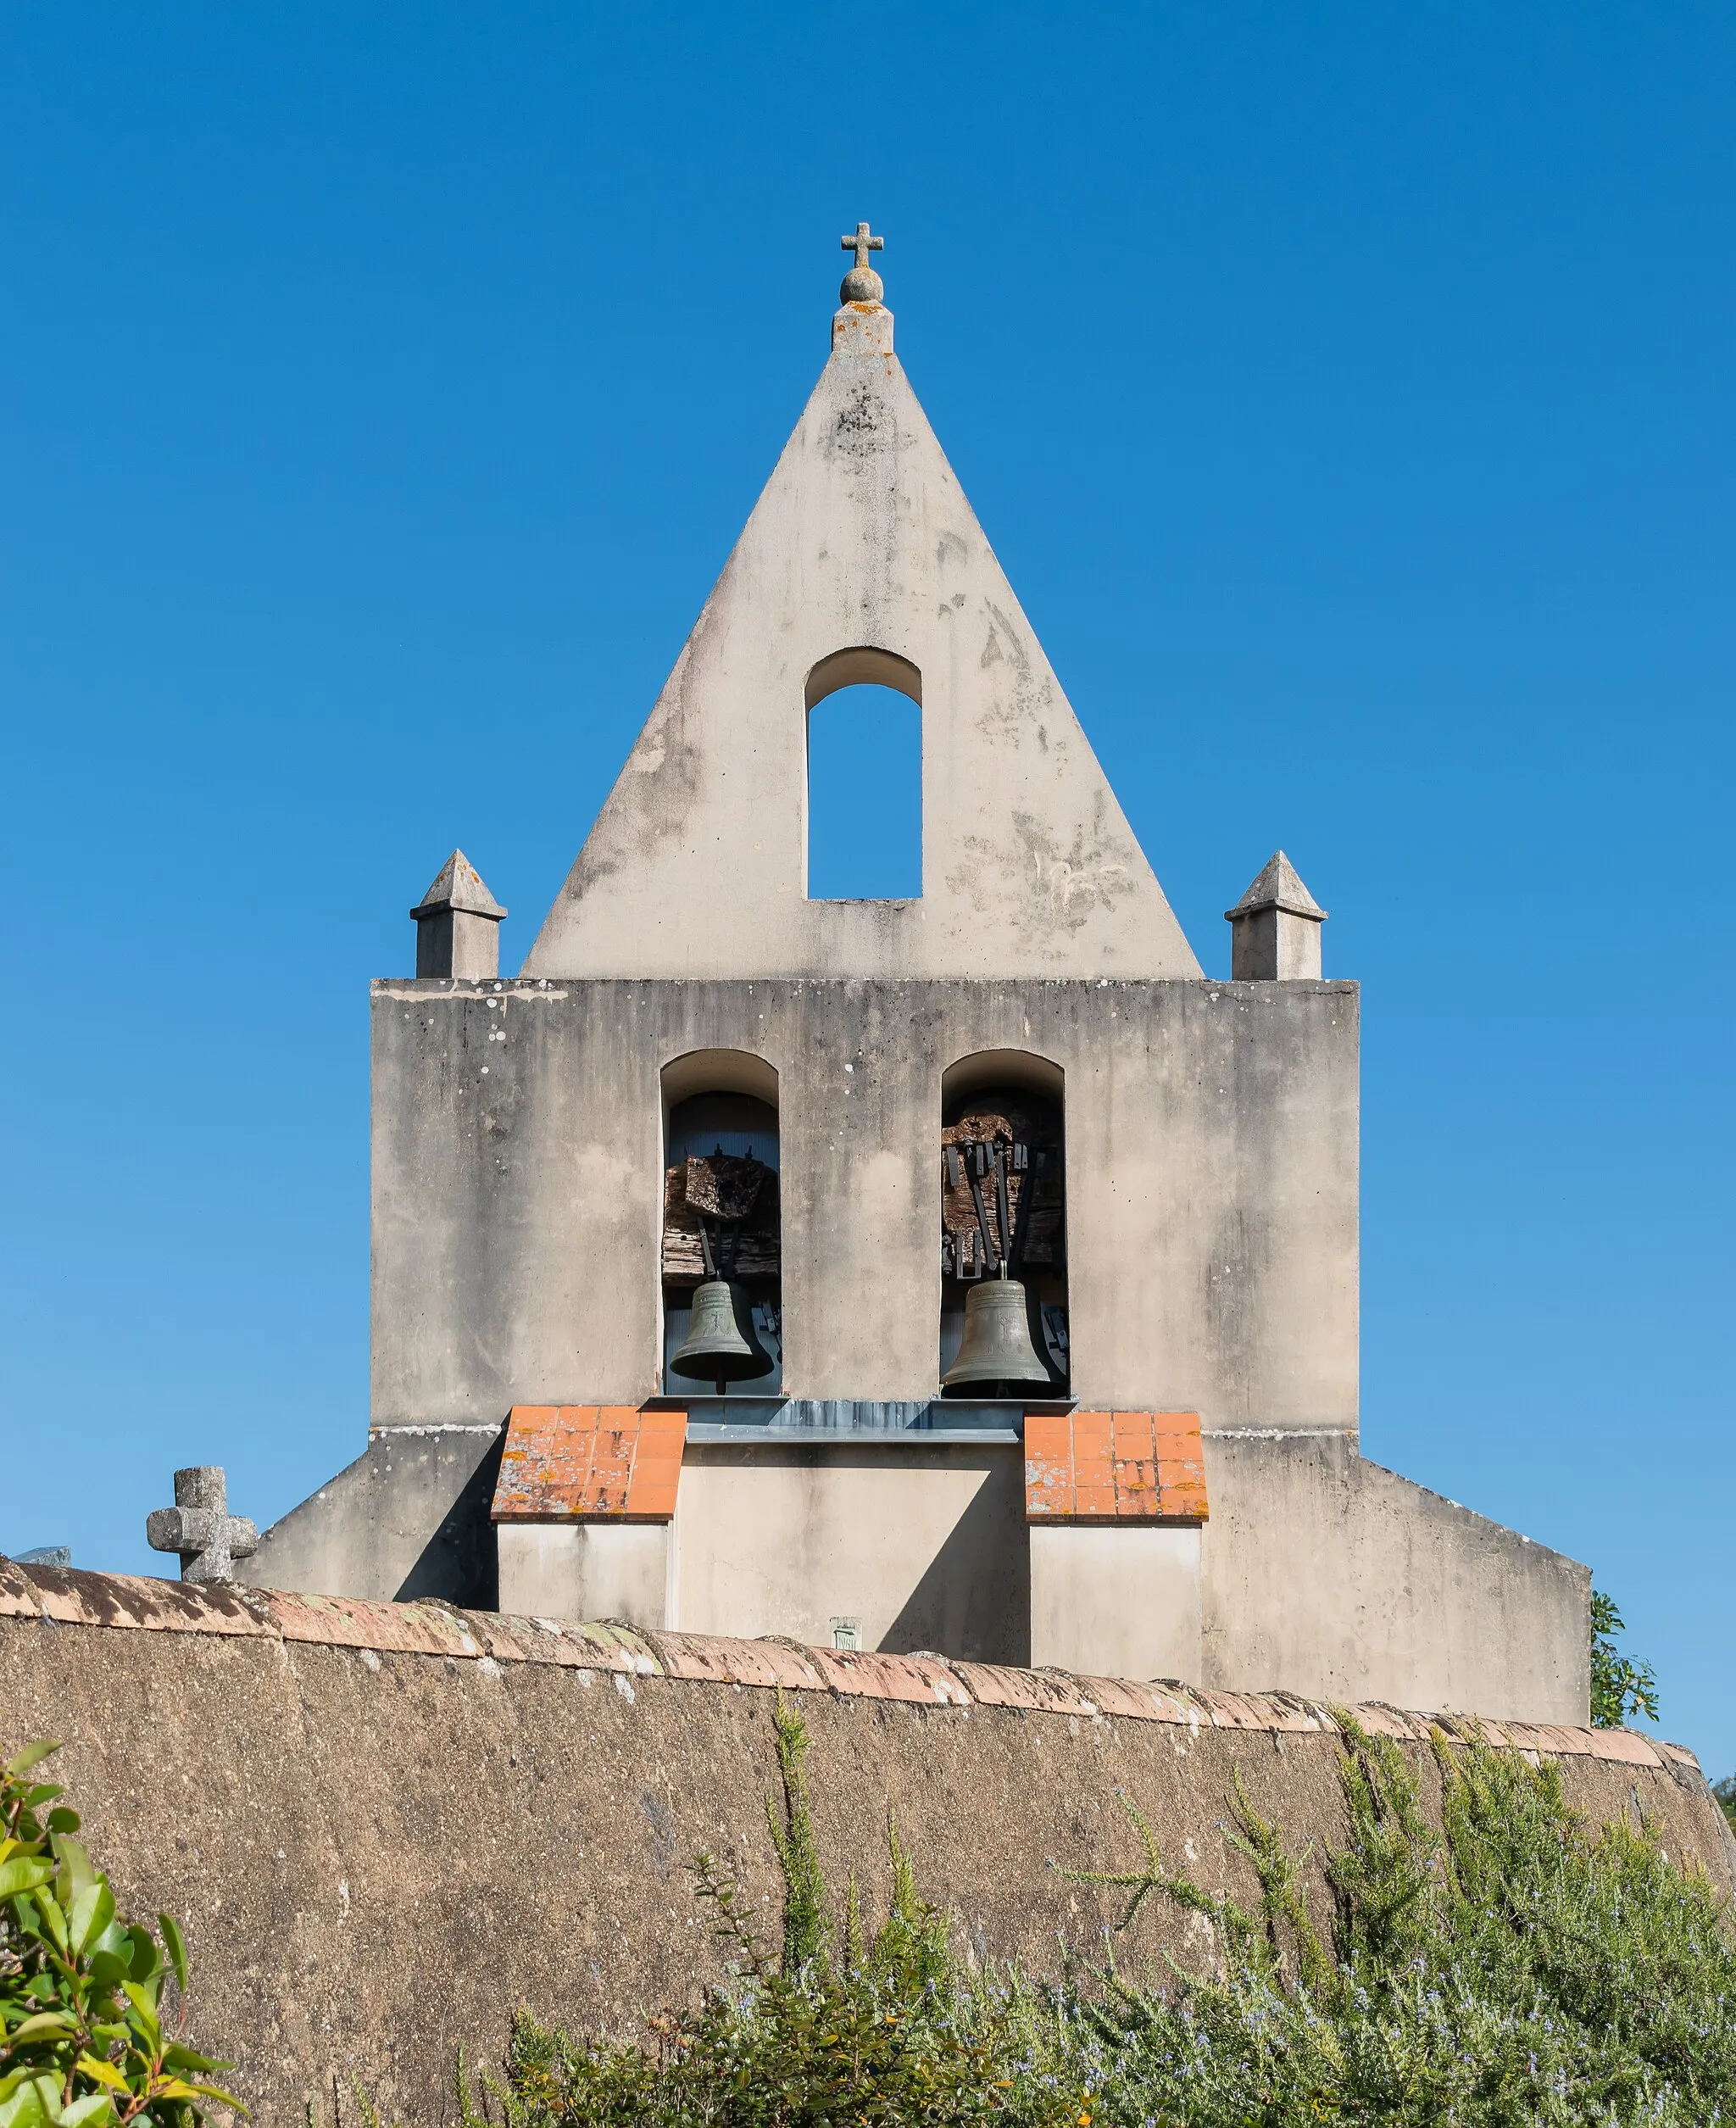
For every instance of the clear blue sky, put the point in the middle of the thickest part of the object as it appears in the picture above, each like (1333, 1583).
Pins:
(1348, 391)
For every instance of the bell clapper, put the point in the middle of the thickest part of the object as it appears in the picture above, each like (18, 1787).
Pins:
(1020, 1158)
(991, 1255)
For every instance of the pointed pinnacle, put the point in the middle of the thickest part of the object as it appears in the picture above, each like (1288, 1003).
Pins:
(1277, 887)
(458, 885)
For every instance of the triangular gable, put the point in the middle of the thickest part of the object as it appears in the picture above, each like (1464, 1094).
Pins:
(862, 542)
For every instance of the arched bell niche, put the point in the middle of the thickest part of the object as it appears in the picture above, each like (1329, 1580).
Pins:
(720, 1214)
(1003, 1187)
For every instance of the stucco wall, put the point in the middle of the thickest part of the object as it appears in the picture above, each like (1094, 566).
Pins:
(1126, 1600)
(1211, 1181)
(384, 1827)
(1319, 1572)
(407, 1518)
(1212, 1138)
(1327, 1574)
(587, 1570)
(914, 1548)
(925, 1548)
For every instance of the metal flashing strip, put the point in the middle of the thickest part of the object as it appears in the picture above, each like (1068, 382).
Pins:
(910, 1422)
(701, 1432)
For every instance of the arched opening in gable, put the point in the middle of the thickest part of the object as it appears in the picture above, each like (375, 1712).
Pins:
(865, 777)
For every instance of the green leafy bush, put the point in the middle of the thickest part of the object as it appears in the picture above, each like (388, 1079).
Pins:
(1620, 1687)
(1515, 1966)
(81, 2037)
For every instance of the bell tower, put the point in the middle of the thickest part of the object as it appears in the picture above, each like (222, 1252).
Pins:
(968, 1271)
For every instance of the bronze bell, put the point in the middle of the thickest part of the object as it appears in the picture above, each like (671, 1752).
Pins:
(996, 1346)
(721, 1344)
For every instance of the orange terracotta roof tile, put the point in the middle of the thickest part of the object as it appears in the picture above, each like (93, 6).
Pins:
(1031, 1691)
(18, 1593)
(1049, 1465)
(1624, 1746)
(853, 1674)
(1378, 1719)
(1115, 1466)
(589, 1462)
(72, 1596)
(722, 1661)
(405, 1629)
(1116, 1696)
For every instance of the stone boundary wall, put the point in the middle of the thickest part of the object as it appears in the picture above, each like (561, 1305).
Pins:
(383, 1826)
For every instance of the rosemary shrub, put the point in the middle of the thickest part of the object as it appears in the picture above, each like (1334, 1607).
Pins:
(1515, 1966)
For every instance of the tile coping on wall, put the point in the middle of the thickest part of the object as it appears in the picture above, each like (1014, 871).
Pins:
(66, 1596)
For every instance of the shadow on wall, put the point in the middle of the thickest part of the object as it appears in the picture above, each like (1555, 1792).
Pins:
(974, 1601)
(459, 1563)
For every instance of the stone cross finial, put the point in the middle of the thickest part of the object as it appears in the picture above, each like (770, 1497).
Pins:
(862, 244)
(200, 1527)
(861, 284)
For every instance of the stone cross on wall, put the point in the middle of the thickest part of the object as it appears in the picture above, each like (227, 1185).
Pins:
(200, 1527)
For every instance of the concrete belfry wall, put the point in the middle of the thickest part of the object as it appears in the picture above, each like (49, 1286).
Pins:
(385, 1827)
(1211, 1186)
